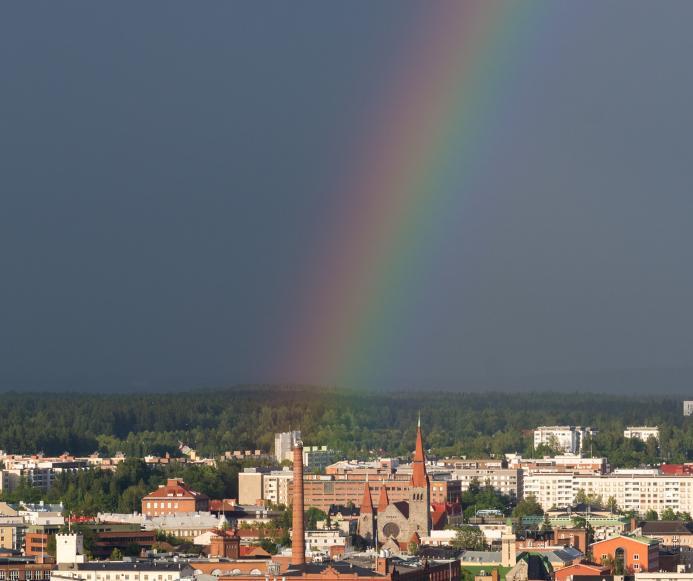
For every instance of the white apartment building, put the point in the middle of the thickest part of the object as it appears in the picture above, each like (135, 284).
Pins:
(284, 444)
(506, 480)
(275, 486)
(566, 438)
(551, 489)
(641, 432)
(638, 490)
(688, 408)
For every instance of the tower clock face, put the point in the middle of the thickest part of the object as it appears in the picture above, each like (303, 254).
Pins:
(391, 530)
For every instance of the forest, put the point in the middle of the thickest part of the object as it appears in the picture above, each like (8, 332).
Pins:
(355, 424)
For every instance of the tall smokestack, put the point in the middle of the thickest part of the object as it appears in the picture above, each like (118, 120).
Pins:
(298, 543)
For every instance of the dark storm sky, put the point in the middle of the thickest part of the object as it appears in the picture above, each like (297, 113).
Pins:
(166, 169)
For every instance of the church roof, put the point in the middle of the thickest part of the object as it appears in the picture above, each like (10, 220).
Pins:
(384, 500)
(403, 507)
(419, 477)
(367, 502)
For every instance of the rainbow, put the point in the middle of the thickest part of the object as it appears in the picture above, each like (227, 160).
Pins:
(416, 163)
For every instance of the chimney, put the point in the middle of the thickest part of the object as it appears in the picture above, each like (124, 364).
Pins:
(298, 542)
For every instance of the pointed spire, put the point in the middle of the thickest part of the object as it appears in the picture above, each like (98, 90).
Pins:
(419, 477)
(384, 500)
(367, 502)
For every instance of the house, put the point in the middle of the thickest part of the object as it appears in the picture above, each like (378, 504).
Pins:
(627, 553)
(174, 497)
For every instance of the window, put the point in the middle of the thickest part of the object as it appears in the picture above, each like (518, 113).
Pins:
(14, 575)
(636, 557)
(2, 575)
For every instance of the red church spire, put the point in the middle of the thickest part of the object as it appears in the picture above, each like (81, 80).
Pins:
(384, 500)
(367, 502)
(419, 477)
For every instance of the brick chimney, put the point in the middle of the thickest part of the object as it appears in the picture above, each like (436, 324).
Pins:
(298, 542)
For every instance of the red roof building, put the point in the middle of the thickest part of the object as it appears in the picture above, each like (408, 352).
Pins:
(174, 497)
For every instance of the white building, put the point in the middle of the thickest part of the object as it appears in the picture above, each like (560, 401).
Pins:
(641, 432)
(506, 480)
(127, 570)
(275, 486)
(565, 438)
(638, 490)
(284, 444)
(688, 408)
(550, 489)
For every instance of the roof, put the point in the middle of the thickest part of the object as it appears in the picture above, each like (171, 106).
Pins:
(175, 488)
(336, 509)
(340, 567)
(538, 567)
(637, 539)
(419, 477)
(403, 507)
(131, 566)
(481, 557)
(666, 527)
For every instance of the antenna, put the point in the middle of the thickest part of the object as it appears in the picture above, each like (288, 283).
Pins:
(418, 424)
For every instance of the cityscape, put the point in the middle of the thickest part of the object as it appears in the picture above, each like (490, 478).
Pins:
(348, 290)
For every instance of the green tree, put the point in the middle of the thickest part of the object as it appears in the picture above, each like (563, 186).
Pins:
(468, 537)
(651, 515)
(116, 555)
(528, 507)
(668, 514)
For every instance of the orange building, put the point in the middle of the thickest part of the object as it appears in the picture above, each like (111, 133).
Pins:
(174, 497)
(567, 573)
(636, 554)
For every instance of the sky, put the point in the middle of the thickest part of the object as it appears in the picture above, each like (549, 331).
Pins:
(382, 195)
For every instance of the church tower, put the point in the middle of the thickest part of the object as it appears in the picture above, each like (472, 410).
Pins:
(366, 525)
(420, 495)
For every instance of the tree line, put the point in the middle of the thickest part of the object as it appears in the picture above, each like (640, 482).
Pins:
(356, 423)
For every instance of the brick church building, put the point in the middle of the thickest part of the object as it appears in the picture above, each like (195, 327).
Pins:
(397, 524)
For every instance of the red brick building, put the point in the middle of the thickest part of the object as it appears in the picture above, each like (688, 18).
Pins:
(174, 497)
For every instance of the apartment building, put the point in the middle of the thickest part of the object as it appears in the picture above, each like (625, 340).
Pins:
(638, 490)
(509, 481)
(563, 463)
(251, 486)
(688, 408)
(566, 438)
(641, 432)
(551, 489)
(284, 444)
(317, 458)
(275, 486)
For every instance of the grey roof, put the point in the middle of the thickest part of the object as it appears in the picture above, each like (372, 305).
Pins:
(665, 527)
(132, 566)
(481, 557)
(342, 567)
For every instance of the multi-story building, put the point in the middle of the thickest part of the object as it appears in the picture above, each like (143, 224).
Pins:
(24, 569)
(250, 486)
(174, 497)
(284, 444)
(564, 463)
(275, 486)
(506, 480)
(641, 432)
(688, 408)
(317, 458)
(550, 489)
(566, 438)
(638, 490)
(635, 554)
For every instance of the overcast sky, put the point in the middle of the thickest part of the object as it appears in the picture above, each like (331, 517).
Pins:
(165, 168)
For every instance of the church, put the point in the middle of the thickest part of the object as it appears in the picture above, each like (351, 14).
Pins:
(398, 524)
